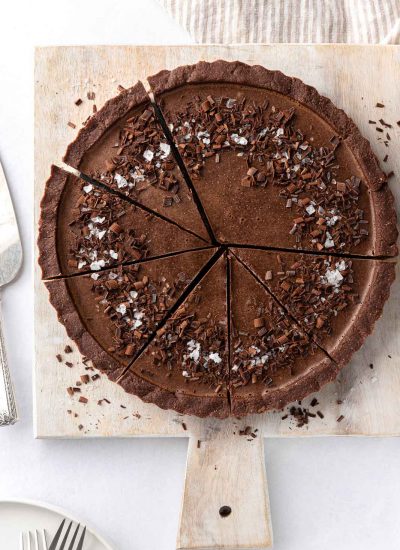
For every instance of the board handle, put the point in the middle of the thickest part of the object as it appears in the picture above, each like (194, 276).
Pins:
(225, 500)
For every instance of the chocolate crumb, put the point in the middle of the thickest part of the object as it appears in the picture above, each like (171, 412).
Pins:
(58, 357)
(71, 125)
(69, 364)
(380, 105)
(339, 402)
(371, 365)
(340, 418)
(385, 158)
(319, 413)
(83, 399)
(198, 443)
(314, 402)
(80, 427)
(78, 102)
(85, 378)
(184, 426)
(68, 349)
(371, 122)
(91, 95)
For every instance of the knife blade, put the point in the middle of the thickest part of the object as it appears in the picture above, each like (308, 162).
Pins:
(10, 263)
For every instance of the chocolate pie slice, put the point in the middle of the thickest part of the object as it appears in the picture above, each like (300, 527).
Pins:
(274, 163)
(83, 227)
(123, 146)
(112, 314)
(273, 361)
(335, 300)
(186, 366)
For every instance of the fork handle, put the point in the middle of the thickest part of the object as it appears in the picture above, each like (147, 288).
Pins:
(8, 409)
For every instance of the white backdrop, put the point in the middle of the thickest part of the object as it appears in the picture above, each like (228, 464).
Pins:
(341, 494)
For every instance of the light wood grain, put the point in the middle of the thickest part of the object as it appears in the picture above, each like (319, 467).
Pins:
(225, 470)
(355, 78)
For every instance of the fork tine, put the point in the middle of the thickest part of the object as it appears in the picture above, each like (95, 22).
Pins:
(21, 541)
(71, 546)
(44, 540)
(81, 540)
(54, 542)
(36, 540)
(64, 542)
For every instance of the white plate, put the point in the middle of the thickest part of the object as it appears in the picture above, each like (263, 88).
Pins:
(17, 516)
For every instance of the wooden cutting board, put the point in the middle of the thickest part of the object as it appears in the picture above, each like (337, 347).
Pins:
(230, 466)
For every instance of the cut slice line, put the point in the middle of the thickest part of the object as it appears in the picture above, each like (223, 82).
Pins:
(101, 185)
(128, 263)
(391, 259)
(255, 275)
(184, 171)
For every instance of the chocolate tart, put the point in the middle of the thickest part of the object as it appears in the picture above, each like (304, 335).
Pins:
(123, 146)
(111, 314)
(83, 227)
(186, 366)
(335, 300)
(274, 163)
(273, 361)
(227, 248)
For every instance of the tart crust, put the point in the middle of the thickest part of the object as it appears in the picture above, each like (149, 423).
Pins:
(383, 219)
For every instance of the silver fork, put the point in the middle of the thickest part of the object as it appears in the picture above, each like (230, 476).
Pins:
(60, 541)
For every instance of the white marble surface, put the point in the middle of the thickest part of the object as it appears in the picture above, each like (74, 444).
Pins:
(341, 494)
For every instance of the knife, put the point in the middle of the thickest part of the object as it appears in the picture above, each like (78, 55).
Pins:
(10, 262)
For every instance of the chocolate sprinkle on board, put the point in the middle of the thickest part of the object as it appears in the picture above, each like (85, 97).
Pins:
(71, 125)
(380, 105)
(68, 349)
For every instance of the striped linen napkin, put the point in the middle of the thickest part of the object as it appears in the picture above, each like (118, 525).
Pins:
(290, 21)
